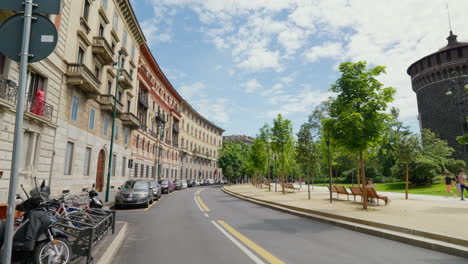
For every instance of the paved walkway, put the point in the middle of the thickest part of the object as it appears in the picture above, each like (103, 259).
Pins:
(434, 214)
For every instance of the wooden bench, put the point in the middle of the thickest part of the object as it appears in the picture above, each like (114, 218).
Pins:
(372, 194)
(341, 190)
(356, 191)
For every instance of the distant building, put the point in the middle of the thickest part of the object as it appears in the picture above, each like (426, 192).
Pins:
(438, 80)
(245, 139)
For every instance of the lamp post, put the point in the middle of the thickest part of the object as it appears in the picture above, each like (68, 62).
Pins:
(160, 124)
(459, 84)
(120, 66)
(330, 170)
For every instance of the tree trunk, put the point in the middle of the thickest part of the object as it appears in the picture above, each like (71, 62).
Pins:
(407, 181)
(308, 182)
(269, 178)
(357, 174)
(364, 187)
(284, 182)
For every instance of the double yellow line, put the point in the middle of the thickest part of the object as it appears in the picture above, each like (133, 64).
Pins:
(200, 201)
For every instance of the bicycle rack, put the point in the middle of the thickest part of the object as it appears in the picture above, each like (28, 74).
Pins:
(86, 229)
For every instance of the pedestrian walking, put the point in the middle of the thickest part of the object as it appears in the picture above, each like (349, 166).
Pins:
(462, 181)
(457, 183)
(448, 184)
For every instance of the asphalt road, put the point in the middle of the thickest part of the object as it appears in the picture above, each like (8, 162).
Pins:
(210, 227)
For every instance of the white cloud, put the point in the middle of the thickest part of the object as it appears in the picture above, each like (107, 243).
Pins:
(252, 86)
(213, 110)
(190, 91)
(327, 50)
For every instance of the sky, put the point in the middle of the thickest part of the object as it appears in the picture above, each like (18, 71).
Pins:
(241, 62)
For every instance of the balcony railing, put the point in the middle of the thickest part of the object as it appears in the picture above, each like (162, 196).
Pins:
(102, 48)
(143, 128)
(130, 120)
(175, 144)
(153, 134)
(107, 104)
(80, 76)
(160, 117)
(7, 94)
(40, 108)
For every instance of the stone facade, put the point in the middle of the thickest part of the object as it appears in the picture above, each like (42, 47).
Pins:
(201, 142)
(67, 135)
(438, 81)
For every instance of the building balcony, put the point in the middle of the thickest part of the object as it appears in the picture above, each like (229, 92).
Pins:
(107, 104)
(130, 120)
(175, 144)
(153, 134)
(168, 142)
(160, 118)
(7, 94)
(80, 76)
(126, 80)
(143, 128)
(38, 110)
(103, 50)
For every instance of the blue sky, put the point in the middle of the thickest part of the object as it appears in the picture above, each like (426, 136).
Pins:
(241, 62)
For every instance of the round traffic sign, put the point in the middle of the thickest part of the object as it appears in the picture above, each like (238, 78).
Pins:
(42, 41)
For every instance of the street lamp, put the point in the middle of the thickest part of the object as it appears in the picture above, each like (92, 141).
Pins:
(461, 82)
(330, 171)
(119, 67)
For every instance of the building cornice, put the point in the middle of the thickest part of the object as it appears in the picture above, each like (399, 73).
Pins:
(126, 9)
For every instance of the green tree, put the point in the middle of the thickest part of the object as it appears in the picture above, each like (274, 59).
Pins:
(357, 118)
(306, 151)
(407, 149)
(258, 156)
(265, 136)
(283, 145)
(435, 150)
(233, 159)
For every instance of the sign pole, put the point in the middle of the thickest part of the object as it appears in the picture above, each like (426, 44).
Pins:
(18, 136)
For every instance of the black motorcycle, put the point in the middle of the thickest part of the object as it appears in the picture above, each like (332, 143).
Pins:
(36, 240)
(95, 202)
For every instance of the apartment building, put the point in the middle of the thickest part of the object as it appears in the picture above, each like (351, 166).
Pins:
(97, 32)
(43, 91)
(201, 141)
(156, 142)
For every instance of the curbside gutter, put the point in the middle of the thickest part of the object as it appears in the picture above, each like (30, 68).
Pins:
(437, 242)
(110, 252)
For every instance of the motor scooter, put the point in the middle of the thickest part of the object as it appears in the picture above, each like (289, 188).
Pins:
(95, 201)
(35, 238)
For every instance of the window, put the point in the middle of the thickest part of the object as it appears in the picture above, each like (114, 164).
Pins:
(87, 160)
(74, 109)
(124, 162)
(86, 10)
(105, 126)
(136, 170)
(460, 52)
(137, 140)
(133, 51)
(124, 38)
(114, 161)
(97, 71)
(35, 83)
(109, 87)
(115, 24)
(119, 96)
(126, 136)
(69, 158)
(129, 103)
(29, 149)
(92, 113)
(80, 58)
(101, 30)
(142, 173)
(116, 132)
(104, 4)
(147, 171)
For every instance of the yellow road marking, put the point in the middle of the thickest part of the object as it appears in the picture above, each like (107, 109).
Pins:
(149, 207)
(202, 204)
(259, 250)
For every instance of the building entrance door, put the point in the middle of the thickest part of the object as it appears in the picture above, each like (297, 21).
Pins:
(100, 171)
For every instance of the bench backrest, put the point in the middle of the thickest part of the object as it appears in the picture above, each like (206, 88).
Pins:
(341, 189)
(356, 190)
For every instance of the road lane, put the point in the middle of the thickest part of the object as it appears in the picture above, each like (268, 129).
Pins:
(175, 231)
(295, 239)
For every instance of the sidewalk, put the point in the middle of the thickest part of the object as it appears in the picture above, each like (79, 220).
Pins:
(432, 214)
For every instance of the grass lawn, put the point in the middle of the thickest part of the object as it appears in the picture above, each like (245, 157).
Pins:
(399, 187)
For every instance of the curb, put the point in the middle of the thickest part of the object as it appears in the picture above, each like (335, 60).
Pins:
(405, 235)
(110, 252)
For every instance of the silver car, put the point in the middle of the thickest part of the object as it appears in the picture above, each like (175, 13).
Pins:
(134, 192)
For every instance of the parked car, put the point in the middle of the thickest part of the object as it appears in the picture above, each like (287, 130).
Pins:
(134, 192)
(178, 185)
(191, 183)
(184, 184)
(156, 189)
(167, 186)
(197, 182)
